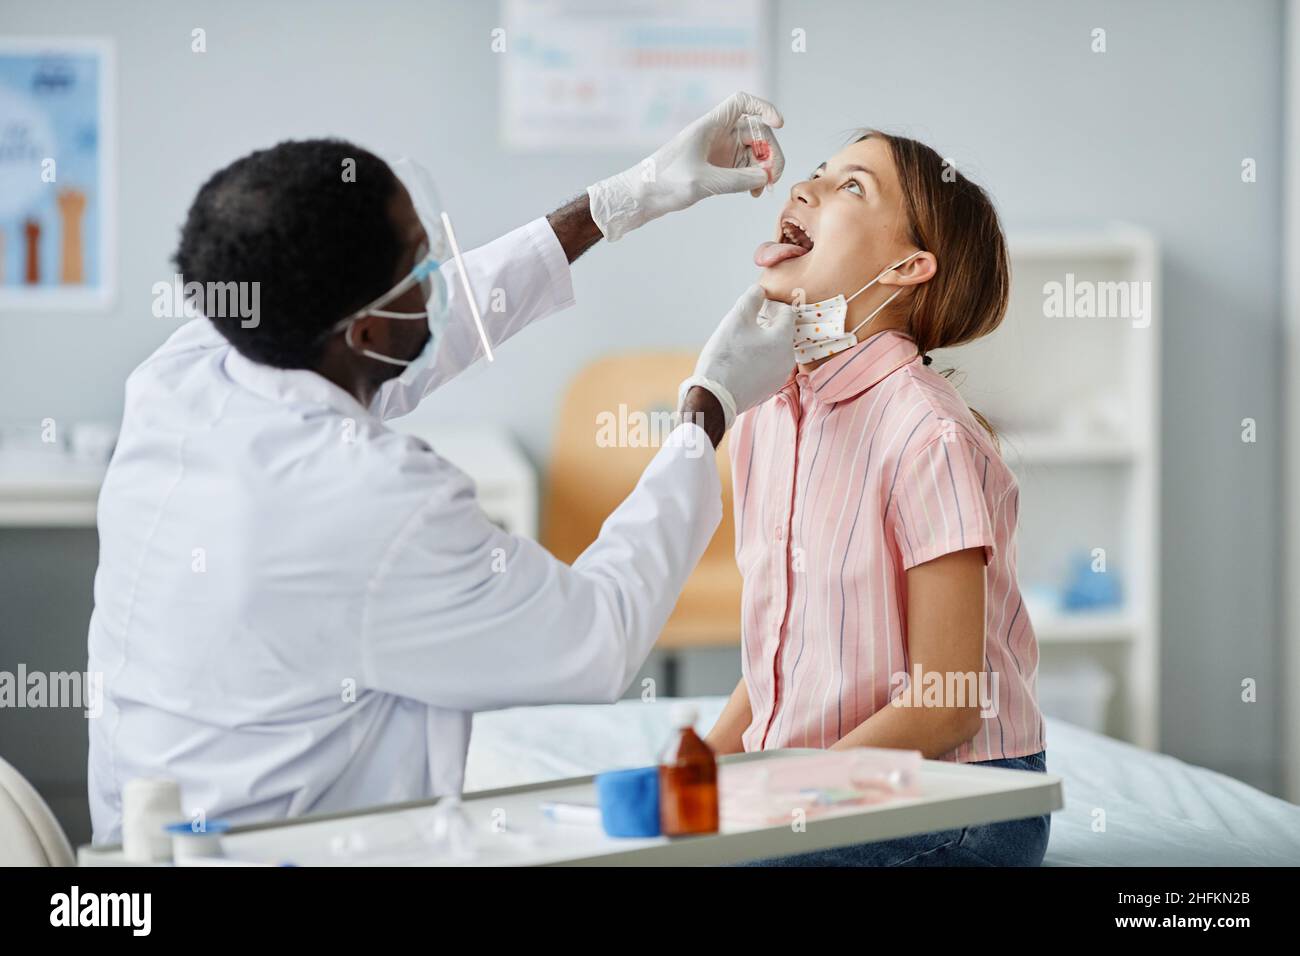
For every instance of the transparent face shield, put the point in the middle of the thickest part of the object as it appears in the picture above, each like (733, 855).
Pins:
(439, 247)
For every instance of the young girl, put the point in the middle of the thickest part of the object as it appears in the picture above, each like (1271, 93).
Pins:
(875, 518)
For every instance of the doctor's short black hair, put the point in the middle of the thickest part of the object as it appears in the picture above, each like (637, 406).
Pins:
(309, 222)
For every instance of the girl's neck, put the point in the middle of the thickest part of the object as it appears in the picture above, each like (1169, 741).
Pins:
(878, 324)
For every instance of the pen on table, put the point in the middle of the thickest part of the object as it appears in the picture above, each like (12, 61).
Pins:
(582, 814)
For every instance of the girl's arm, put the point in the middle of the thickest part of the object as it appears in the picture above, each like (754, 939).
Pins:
(945, 637)
(724, 738)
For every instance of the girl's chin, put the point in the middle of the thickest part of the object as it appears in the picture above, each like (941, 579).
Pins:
(775, 288)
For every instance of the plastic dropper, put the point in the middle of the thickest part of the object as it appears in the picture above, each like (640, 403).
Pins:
(760, 147)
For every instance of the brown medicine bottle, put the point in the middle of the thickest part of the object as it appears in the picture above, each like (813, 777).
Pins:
(688, 780)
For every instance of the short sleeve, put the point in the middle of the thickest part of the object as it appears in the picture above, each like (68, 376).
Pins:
(937, 504)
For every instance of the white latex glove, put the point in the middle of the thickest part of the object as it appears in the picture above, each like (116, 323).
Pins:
(710, 156)
(748, 357)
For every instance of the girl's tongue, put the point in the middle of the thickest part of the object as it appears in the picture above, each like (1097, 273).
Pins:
(772, 253)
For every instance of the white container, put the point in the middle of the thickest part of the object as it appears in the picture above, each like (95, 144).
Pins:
(148, 806)
(1078, 693)
(92, 442)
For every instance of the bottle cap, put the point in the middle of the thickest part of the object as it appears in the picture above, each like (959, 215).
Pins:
(684, 715)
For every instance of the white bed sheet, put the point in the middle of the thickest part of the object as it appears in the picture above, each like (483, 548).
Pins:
(1159, 811)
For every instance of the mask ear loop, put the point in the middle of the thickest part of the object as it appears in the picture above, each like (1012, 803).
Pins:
(882, 305)
(419, 273)
(384, 314)
(876, 312)
(347, 337)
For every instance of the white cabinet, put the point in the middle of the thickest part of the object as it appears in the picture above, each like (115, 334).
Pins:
(49, 488)
(1071, 380)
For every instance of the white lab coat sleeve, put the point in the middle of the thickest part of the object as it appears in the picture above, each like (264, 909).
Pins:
(464, 616)
(517, 279)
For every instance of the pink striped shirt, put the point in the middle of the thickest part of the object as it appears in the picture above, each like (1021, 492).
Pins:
(844, 479)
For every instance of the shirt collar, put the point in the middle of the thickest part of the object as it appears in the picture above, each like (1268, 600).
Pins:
(851, 372)
(291, 385)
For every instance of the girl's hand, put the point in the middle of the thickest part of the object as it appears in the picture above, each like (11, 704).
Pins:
(725, 737)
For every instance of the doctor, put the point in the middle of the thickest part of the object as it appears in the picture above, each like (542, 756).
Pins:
(297, 609)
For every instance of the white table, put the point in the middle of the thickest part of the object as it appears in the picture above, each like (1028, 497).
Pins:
(953, 795)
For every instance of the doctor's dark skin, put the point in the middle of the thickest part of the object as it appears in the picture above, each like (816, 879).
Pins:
(362, 376)
(345, 366)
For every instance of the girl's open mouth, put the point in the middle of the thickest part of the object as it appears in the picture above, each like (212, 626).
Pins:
(795, 241)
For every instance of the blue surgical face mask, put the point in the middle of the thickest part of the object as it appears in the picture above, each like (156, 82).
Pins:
(428, 275)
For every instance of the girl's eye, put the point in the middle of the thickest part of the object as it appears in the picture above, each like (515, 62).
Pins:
(854, 186)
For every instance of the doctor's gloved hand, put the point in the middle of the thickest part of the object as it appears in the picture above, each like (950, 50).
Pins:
(713, 155)
(749, 356)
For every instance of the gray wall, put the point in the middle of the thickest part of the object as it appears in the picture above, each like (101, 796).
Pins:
(1152, 132)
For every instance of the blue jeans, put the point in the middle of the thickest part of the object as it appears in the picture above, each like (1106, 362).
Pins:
(1010, 843)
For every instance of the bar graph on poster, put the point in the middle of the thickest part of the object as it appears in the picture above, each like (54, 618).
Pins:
(56, 192)
(582, 75)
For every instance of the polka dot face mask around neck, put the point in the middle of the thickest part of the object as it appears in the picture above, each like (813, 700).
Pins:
(819, 327)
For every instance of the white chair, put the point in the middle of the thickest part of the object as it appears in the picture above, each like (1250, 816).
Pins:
(29, 834)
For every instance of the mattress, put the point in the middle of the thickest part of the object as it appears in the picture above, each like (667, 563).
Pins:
(1124, 806)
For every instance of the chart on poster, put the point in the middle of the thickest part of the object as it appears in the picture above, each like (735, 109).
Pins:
(56, 201)
(577, 75)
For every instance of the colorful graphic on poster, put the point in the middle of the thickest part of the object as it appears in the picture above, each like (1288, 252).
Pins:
(628, 75)
(56, 198)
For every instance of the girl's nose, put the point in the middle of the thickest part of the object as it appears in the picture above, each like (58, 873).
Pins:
(803, 192)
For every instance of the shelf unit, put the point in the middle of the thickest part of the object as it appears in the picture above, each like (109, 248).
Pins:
(1076, 403)
(51, 489)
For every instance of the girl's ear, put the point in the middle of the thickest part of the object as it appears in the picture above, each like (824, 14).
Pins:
(912, 272)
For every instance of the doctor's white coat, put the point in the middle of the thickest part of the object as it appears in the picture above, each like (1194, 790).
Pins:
(297, 610)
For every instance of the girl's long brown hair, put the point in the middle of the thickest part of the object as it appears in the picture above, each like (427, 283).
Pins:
(953, 218)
